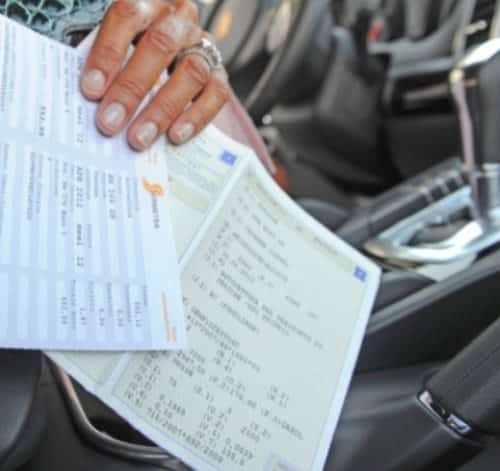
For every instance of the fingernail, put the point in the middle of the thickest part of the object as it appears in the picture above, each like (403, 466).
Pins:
(184, 132)
(93, 81)
(146, 134)
(113, 116)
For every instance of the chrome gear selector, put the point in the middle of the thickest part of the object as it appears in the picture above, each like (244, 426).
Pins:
(475, 85)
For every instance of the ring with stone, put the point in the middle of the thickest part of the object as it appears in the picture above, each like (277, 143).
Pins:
(207, 50)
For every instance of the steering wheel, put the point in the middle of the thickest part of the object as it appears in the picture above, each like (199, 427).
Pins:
(268, 37)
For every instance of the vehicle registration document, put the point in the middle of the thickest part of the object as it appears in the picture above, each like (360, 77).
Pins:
(87, 254)
(276, 308)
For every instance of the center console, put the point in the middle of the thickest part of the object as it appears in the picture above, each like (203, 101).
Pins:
(437, 234)
(454, 238)
(425, 312)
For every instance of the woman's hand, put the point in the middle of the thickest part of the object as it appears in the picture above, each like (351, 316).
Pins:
(169, 28)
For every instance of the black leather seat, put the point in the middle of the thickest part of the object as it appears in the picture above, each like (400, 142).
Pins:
(21, 411)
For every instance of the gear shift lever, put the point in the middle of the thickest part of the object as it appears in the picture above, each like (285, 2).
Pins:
(475, 84)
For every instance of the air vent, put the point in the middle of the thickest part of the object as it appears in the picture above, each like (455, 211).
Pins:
(480, 25)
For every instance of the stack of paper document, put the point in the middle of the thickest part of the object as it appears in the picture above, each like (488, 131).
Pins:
(276, 306)
(87, 256)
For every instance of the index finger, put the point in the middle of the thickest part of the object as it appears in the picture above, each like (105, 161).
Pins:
(124, 20)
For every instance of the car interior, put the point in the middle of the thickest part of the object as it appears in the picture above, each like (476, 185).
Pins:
(374, 111)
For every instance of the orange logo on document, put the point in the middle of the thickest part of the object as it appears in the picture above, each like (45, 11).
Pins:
(154, 188)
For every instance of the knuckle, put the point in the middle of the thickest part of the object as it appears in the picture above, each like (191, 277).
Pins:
(132, 90)
(196, 69)
(220, 89)
(107, 54)
(161, 40)
(123, 9)
(167, 110)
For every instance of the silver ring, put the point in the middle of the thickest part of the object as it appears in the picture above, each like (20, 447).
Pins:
(207, 51)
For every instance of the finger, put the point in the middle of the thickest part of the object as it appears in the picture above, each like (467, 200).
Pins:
(123, 21)
(188, 9)
(188, 80)
(203, 110)
(155, 51)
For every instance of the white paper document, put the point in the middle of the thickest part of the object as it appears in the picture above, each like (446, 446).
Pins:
(87, 253)
(276, 310)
